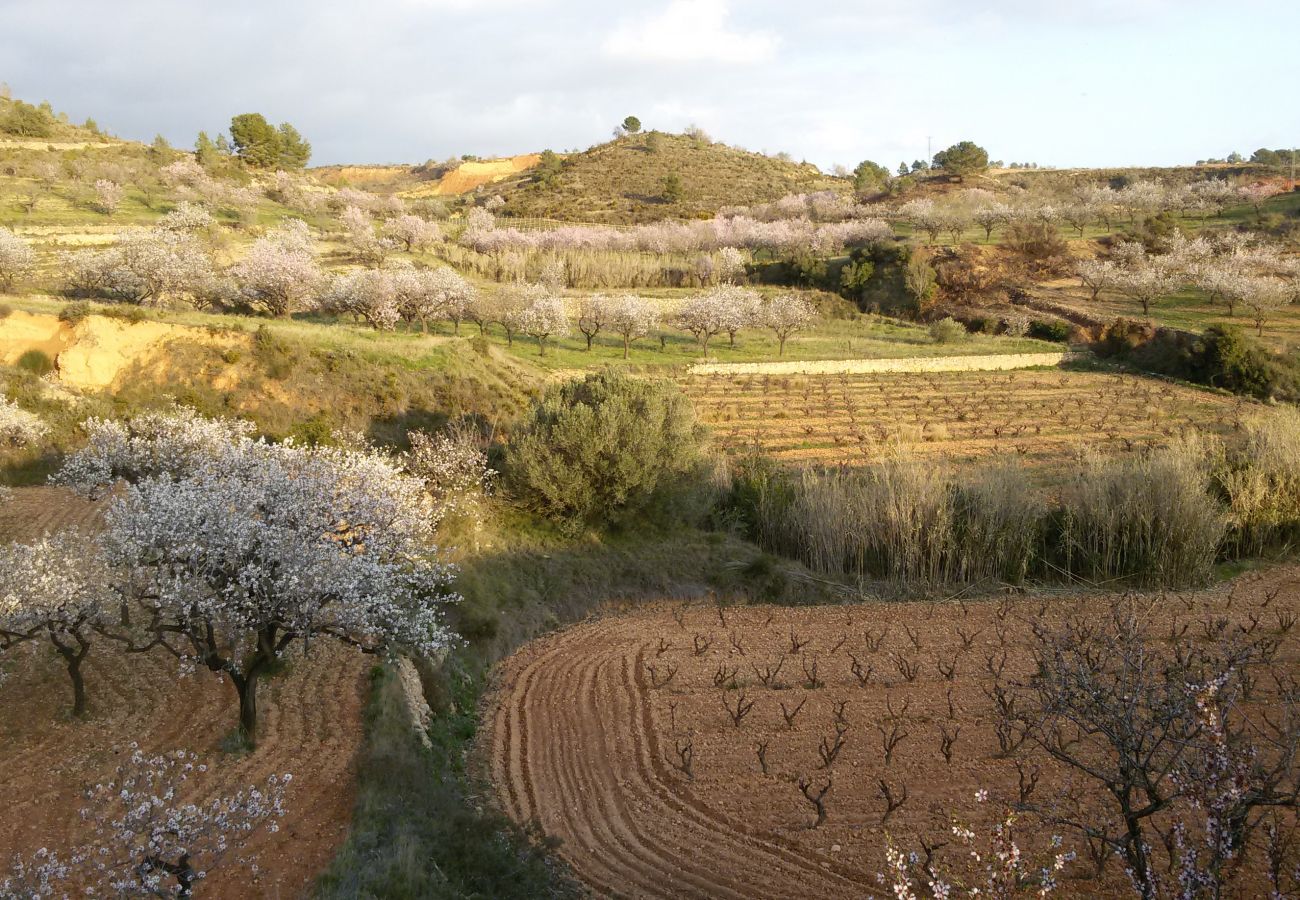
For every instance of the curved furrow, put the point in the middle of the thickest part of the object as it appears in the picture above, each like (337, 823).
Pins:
(764, 861)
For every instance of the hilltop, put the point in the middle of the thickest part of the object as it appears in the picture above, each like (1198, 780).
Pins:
(627, 181)
(28, 126)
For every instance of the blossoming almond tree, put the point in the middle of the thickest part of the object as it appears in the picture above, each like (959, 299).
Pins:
(229, 554)
(279, 274)
(16, 258)
(544, 316)
(786, 314)
(632, 317)
(55, 589)
(149, 839)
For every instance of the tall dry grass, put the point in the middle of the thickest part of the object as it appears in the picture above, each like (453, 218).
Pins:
(1262, 484)
(1150, 518)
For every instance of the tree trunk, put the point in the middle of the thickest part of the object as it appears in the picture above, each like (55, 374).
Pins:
(72, 659)
(588, 337)
(781, 351)
(541, 346)
(246, 688)
(424, 325)
(625, 346)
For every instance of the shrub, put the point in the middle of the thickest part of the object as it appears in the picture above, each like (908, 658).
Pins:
(75, 312)
(37, 362)
(948, 331)
(598, 449)
(1049, 330)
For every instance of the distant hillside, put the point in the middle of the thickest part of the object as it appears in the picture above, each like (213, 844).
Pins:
(627, 180)
(428, 180)
(27, 125)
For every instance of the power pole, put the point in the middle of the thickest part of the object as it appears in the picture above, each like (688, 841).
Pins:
(1293, 169)
(929, 151)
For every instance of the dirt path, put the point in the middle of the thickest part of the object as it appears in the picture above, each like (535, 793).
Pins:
(583, 742)
(994, 363)
(311, 726)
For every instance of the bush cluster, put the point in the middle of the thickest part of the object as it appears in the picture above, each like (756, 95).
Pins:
(597, 450)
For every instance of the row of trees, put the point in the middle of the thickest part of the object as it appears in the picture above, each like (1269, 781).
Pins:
(1088, 205)
(1228, 268)
(484, 234)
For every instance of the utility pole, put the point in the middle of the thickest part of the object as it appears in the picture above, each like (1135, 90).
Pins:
(929, 151)
(1293, 169)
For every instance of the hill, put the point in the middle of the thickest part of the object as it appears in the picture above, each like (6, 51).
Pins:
(625, 181)
(23, 125)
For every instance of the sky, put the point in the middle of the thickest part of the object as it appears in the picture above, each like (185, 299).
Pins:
(1079, 83)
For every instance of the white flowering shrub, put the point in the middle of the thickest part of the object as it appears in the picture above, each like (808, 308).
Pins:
(454, 468)
(149, 445)
(18, 427)
(16, 258)
(55, 589)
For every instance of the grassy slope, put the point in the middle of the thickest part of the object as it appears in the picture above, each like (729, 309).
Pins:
(622, 181)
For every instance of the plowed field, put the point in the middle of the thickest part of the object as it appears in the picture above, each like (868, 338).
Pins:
(587, 729)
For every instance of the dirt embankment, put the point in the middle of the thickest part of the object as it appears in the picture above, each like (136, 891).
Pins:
(94, 352)
(470, 175)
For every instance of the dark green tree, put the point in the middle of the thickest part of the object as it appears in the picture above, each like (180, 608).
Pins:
(903, 168)
(26, 120)
(962, 159)
(255, 140)
(631, 124)
(870, 177)
(294, 151)
(548, 168)
(672, 188)
(204, 150)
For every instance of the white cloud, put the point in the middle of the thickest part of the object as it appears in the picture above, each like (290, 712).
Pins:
(688, 31)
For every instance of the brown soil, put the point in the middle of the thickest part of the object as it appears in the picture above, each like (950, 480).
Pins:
(582, 743)
(311, 726)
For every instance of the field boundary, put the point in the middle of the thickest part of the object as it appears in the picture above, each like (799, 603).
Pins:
(906, 365)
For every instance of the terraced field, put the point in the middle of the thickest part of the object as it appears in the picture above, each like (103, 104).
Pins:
(1044, 415)
(310, 726)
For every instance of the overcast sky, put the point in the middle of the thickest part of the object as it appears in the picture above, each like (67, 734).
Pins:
(1084, 82)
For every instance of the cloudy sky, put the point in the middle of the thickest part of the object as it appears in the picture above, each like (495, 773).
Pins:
(1085, 82)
